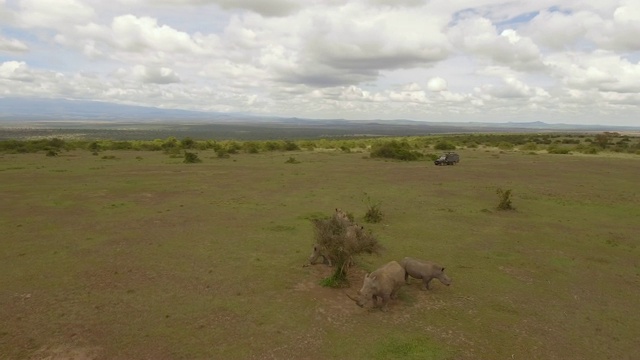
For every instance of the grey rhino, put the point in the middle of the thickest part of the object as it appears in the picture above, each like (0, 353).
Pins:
(319, 251)
(425, 270)
(383, 283)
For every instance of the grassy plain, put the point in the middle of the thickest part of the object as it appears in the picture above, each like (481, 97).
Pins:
(145, 257)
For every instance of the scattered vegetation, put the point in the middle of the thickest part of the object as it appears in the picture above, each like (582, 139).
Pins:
(401, 148)
(292, 160)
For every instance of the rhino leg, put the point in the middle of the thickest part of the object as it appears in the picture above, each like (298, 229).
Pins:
(394, 293)
(406, 277)
(328, 259)
(426, 282)
(385, 303)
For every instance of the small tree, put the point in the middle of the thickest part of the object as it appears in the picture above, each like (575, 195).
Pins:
(342, 244)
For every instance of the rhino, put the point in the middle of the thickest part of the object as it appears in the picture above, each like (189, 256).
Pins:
(383, 283)
(341, 215)
(319, 251)
(425, 270)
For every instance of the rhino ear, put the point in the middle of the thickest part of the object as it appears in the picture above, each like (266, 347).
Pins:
(373, 277)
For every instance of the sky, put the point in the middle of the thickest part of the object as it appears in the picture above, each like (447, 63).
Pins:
(569, 61)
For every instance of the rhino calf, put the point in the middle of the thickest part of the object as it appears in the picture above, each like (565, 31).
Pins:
(425, 270)
(319, 252)
(383, 284)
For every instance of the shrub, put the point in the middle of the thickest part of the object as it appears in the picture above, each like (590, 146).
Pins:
(191, 158)
(444, 145)
(187, 143)
(503, 145)
(271, 146)
(292, 160)
(222, 154)
(94, 147)
(52, 153)
(331, 233)
(592, 150)
(558, 150)
(373, 214)
(251, 147)
(530, 146)
(505, 199)
(290, 146)
(395, 150)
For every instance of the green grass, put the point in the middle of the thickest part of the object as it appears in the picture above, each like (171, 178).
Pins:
(143, 256)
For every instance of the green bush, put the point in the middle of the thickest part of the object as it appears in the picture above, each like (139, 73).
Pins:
(395, 150)
(530, 146)
(444, 145)
(290, 146)
(558, 150)
(191, 158)
(251, 147)
(373, 214)
(332, 234)
(505, 199)
(187, 143)
(503, 145)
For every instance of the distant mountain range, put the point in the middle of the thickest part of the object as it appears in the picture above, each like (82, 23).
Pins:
(76, 113)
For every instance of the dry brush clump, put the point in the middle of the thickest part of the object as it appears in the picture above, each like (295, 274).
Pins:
(343, 240)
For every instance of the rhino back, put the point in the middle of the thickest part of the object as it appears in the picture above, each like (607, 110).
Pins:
(420, 269)
(388, 277)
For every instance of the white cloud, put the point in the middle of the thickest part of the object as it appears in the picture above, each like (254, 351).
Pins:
(363, 59)
(54, 14)
(12, 45)
(15, 70)
(601, 70)
(437, 84)
(155, 75)
(262, 7)
(479, 36)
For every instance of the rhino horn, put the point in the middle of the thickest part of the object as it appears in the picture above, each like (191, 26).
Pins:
(352, 298)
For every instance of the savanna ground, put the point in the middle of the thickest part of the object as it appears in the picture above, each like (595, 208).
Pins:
(141, 256)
